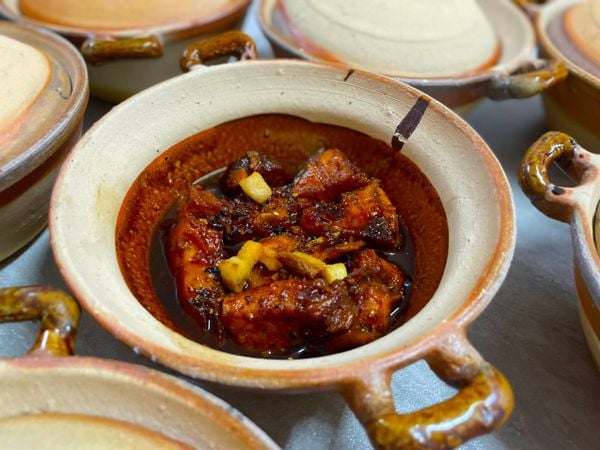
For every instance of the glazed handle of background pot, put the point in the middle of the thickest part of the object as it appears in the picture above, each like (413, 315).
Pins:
(531, 7)
(530, 79)
(553, 147)
(231, 43)
(57, 312)
(98, 50)
(483, 403)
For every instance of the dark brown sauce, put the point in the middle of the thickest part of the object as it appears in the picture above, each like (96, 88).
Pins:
(149, 203)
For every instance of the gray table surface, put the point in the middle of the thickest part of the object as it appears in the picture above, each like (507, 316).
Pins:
(531, 330)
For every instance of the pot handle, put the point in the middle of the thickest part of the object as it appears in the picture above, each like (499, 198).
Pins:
(552, 200)
(57, 312)
(530, 79)
(231, 43)
(96, 50)
(483, 403)
(531, 7)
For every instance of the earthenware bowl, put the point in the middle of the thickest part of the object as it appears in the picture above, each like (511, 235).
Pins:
(124, 61)
(122, 399)
(471, 184)
(577, 206)
(46, 124)
(516, 74)
(574, 105)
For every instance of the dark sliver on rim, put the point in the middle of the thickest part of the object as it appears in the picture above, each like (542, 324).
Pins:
(410, 123)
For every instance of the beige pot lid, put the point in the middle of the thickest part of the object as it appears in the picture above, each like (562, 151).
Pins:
(582, 25)
(43, 87)
(48, 431)
(116, 15)
(410, 38)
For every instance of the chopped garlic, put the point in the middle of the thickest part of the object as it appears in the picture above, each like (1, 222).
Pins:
(256, 188)
(334, 272)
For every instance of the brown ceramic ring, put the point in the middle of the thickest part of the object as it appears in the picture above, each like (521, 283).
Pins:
(98, 50)
(231, 43)
(57, 312)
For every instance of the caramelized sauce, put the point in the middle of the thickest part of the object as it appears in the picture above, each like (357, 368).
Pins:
(150, 205)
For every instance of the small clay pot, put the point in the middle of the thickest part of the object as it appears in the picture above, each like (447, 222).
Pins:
(577, 206)
(470, 182)
(83, 402)
(124, 59)
(46, 99)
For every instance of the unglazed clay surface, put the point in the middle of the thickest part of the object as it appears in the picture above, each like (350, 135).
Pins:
(24, 73)
(118, 15)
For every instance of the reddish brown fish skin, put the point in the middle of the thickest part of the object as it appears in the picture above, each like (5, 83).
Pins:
(327, 176)
(273, 172)
(364, 214)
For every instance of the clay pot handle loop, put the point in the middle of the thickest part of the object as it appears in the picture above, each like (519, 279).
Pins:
(57, 312)
(231, 43)
(98, 50)
(531, 79)
(553, 147)
(483, 404)
(531, 7)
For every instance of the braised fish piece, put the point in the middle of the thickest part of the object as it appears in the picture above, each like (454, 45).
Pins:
(327, 176)
(273, 172)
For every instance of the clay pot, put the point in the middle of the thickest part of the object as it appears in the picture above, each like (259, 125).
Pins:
(574, 105)
(45, 95)
(470, 182)
(134, 52)
(577, 206)
(50, 399)
(512, 73)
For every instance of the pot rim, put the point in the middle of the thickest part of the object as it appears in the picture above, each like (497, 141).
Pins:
(332, 374)
(542, 16)
(68, 121)
(127, 373)
(168, 32)
(524, 56)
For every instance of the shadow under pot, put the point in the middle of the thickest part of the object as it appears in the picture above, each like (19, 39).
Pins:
(135, 46)
(569, 31)
(577, 206)
(436, 171)
(43, 87)
(457, 52)
(84, 402)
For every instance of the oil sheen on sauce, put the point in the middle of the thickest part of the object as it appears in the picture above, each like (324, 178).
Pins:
(151, 203)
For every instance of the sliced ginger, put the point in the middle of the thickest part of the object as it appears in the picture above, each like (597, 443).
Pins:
(256, 188)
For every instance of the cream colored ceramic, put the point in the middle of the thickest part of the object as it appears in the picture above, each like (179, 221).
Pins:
(403, 38)
(572, 106)
(126, 59)
(43, 87)
(582, 24)
(132, 406)
(514, 75)
(469, 179)
(577, 206)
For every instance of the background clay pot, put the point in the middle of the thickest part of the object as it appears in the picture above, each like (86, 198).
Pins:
(574, 105)
(124, 61)
(515, 75)
(121, 400)
(577, 206)
(36, 142)
(465, 173)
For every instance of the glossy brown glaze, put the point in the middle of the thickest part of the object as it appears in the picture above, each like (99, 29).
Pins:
(231, 43)
(98, 50)
(57, 312)
(292, 140)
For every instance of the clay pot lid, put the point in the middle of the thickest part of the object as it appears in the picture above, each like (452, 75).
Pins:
(115, 15)
(77, 431)
(582, 26)
(408, 38)
(43, 87)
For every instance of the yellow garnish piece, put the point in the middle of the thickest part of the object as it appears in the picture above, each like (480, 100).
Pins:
(251, 251)
(269, 259)
(256, 188)
(234, 273)
(334, 272)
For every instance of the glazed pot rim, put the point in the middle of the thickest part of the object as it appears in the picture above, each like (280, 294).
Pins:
(123, 372)
(68, 121)
(169, 32)
(524, 55)
(542, 16)
(226, 372)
